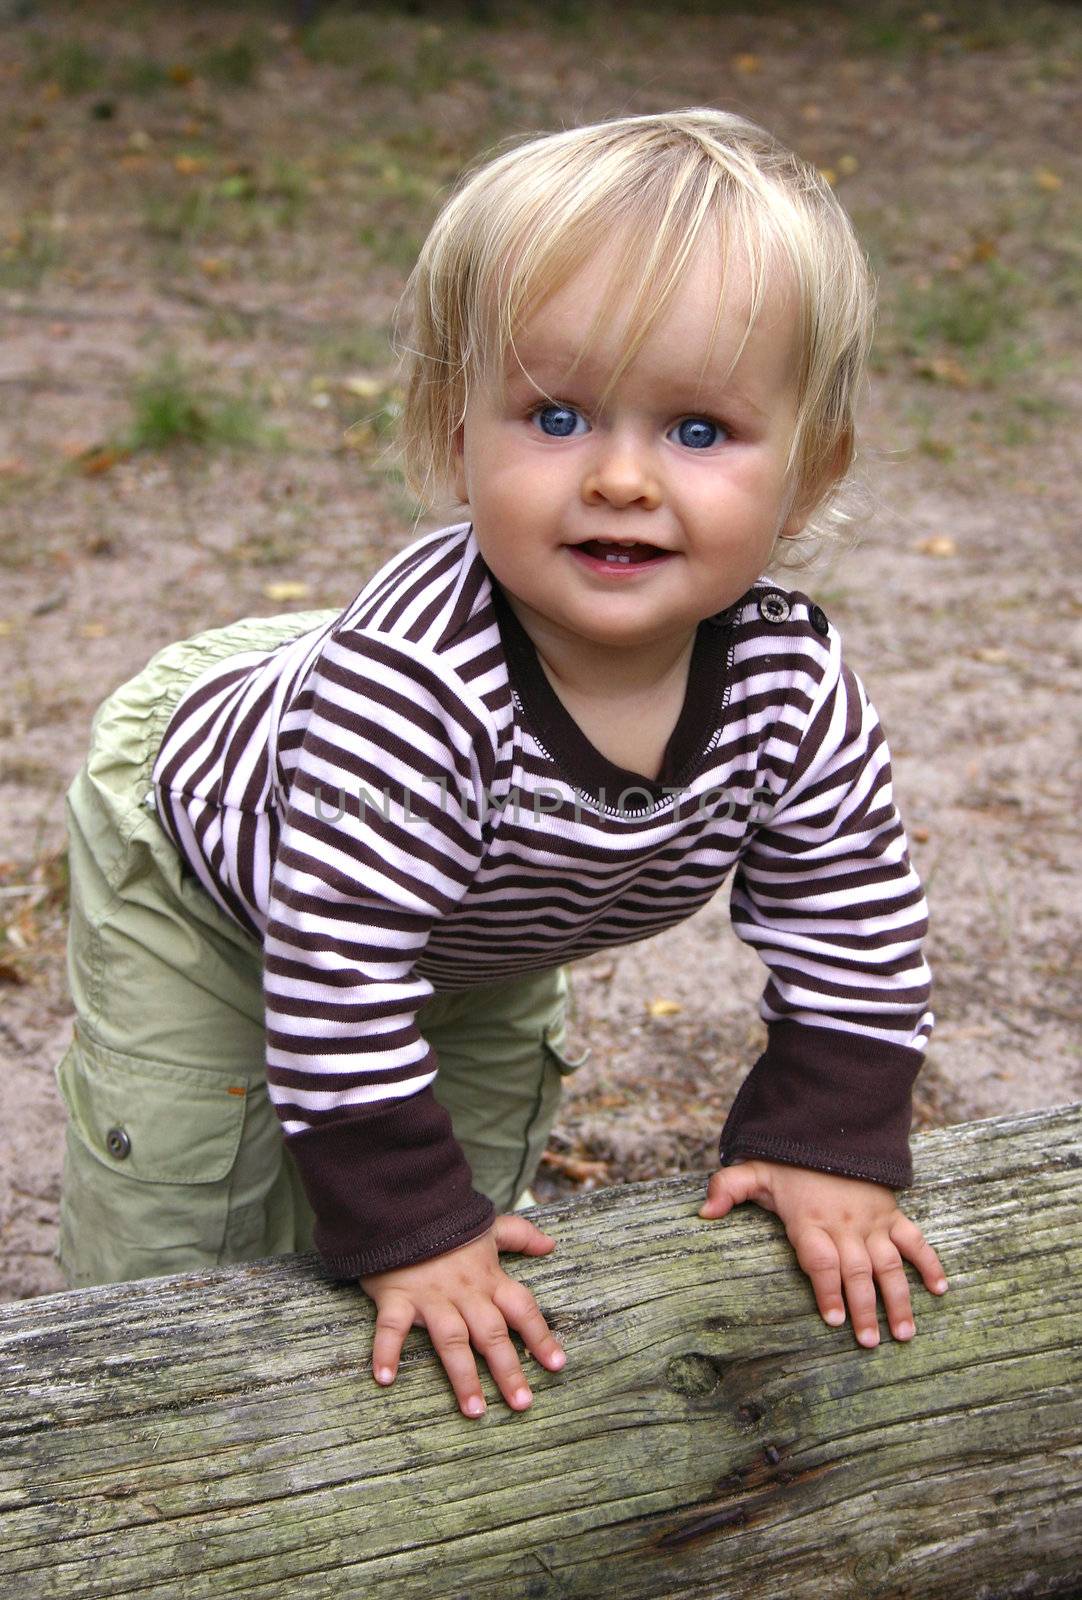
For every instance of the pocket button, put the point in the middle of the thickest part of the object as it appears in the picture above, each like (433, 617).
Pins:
(117, 1143)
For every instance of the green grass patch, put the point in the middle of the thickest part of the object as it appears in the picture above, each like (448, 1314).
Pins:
(28, 251)
(391, 244)
(967, 328)
(971, 25)
(344, 39)
(417, 57)
(354, 347)
(233, 66)
(141, 75)
(241, 208)
(964, 309)
(190, 216)
(171, 405)
(72, 65)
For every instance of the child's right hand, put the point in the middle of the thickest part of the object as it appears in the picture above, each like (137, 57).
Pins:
(466, 1296)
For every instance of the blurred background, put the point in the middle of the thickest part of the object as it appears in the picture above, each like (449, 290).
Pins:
(207, 214)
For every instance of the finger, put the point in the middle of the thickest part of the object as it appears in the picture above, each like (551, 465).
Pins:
(729, 1187)
(818, 1255)
(513, 1231)
(394, 1319)
(520, 1310)
(859, 1282)
(451, 1340)
(915, 1247)
(893, 1285)
(488, 1331)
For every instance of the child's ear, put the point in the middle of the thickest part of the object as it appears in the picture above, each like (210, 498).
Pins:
(811, 494)
(458, 464)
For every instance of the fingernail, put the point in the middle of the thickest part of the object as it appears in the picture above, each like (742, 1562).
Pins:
(941, 1286)
(904, 1330)
(869, 1338)
(557, 1358)
(835, 1317)
(474, 1406)
(522, 1397)
(384, 1375)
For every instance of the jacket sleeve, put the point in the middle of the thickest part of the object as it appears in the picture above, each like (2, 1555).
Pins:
(826, 893)
(381, 835)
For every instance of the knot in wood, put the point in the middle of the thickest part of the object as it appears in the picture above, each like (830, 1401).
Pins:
(692, 1374)
(872, 1568)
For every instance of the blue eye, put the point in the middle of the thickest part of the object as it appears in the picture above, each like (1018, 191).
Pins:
(557, 421)
(698, 433)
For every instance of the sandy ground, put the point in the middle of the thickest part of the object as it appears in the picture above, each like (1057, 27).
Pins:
(961, 605)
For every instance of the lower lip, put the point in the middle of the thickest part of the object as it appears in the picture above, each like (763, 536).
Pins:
(617, 569)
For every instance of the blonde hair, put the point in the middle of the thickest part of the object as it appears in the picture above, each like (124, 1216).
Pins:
(517, 227)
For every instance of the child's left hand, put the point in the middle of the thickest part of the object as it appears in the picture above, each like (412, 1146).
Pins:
(840, 1228)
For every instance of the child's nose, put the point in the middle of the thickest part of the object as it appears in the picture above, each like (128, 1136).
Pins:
(621, 476)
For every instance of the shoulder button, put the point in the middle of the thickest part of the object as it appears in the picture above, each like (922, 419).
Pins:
(818, 619)
(774, 607)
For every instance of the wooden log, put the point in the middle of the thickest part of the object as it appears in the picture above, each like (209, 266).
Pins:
(220, 1434)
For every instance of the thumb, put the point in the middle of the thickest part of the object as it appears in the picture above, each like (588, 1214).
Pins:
(512, 1231)
(729, 1187)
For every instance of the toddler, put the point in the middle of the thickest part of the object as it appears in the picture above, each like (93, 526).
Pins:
(329, 870)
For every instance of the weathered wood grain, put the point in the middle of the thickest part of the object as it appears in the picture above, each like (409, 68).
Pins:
(220, 1434)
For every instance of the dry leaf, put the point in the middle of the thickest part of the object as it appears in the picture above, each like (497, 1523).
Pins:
(664, 1008)
(747, 64)
(364, 388)
(212, 266)
(991, 653)
(1044, 179)
(188, 165)
(287, 590)
(12, 467)
(828, 175)
(100, 459)
(811, 113)
(847, 165)
(181, 74)
(921, 835)
(92, 630)
(573, 1167)
(939, 544)
(943, 369)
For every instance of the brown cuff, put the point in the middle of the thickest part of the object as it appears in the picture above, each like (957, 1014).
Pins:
(390, 1185)
(820, 1097)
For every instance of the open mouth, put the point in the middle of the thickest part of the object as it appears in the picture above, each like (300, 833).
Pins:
(619, 555)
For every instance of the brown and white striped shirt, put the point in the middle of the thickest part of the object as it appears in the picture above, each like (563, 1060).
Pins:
(398, 804)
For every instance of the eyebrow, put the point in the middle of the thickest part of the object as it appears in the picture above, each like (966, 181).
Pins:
(556, 360)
